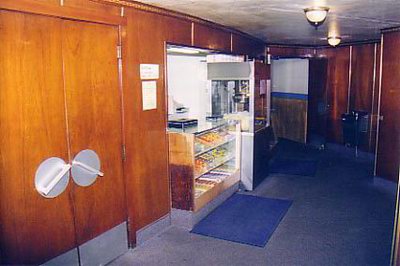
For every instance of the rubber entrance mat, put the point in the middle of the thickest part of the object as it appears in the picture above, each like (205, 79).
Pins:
(293, 167)
(244, 219)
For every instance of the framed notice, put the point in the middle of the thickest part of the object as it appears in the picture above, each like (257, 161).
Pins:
(149, 71)
(149, 95)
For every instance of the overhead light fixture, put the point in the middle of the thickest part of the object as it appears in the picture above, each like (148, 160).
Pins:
(183, 50)
(334, 40)
(316, 15)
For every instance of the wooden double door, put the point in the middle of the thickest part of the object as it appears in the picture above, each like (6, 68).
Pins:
(59, 94)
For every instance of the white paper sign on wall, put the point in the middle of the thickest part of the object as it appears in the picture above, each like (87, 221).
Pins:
(149, 71)
(149, 95)
(263, 87)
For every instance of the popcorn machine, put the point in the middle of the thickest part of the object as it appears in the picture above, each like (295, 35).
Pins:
(240, 91)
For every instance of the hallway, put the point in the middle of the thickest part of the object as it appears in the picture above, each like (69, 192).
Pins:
(340, 216)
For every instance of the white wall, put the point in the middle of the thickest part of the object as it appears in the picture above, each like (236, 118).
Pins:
(187, 83)
(290, 75)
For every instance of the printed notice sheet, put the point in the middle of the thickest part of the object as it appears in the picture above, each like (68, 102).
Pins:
(149, 95)
(149, 71)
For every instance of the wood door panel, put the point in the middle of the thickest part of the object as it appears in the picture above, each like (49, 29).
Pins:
(94, 122)
(389, 130)
(32, 128)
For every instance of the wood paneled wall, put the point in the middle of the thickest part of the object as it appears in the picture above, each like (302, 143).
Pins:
(244, 45)
(289, 117)
(283, 51)
(351, 83)
(337, 89)
(146, 165)
(362, 63)
(144, 36)
(388, 155)
(363, 87)
(353, 73)
(211, 38)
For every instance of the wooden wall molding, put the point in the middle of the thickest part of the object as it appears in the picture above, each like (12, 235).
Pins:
(175, 14)
(305, 46)
(388, 157)
(40, 8)
(392, 29)
(278, 45)
(372, 41)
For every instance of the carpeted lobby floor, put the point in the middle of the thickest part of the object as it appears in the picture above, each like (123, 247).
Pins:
(341, 216)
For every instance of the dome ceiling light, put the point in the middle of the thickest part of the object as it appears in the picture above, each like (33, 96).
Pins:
(334, 40)
(316, 15)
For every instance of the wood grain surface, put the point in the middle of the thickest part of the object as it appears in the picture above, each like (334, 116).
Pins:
(388, 159)
(94, 122)
(32, 129)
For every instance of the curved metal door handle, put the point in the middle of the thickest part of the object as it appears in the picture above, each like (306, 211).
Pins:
(45, 189)
(88, 168)
(52, 177)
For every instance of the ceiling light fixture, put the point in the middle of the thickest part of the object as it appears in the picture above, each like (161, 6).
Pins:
(316, 15)
(334, 40)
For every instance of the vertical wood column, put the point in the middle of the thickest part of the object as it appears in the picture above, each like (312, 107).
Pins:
(388, 155)
(146, 162)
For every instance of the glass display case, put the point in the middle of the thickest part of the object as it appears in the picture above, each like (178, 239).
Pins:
(203, 164)
(241, 91)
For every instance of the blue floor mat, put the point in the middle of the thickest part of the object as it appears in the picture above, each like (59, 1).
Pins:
(244, 219)
(293, 167)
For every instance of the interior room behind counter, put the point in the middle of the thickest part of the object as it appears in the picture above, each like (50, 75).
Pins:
(189, 90)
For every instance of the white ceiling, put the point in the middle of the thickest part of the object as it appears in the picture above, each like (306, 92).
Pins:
(283, 21)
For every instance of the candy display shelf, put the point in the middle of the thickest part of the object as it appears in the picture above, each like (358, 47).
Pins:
(203, 164)
(213, 166)
(227, 140)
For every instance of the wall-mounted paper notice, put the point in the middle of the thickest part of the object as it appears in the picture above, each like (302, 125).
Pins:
(149, 95)
(149, 71)
(263, 87)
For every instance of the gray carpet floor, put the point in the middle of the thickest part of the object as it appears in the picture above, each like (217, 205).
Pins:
(341, 216)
